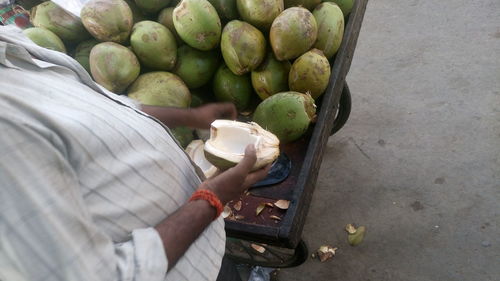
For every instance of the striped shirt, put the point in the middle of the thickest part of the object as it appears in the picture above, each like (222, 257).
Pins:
(85, 176)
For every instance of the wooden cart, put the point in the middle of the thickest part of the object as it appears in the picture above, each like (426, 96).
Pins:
(282, 237)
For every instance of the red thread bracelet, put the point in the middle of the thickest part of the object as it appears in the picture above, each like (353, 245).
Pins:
(209, 196)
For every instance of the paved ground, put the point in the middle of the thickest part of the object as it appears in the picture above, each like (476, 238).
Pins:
(418, 162)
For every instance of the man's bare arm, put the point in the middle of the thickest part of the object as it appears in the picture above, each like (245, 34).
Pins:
(198, 117)
(182, 228)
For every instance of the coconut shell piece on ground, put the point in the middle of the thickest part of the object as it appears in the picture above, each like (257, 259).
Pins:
(358, 237)
(325, 252)
(229, 139)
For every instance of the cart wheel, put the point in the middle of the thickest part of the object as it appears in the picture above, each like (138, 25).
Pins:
(344, 110)
(241, 251)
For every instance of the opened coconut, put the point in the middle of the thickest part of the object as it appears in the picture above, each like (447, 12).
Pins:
(197, 155)
(229, 139)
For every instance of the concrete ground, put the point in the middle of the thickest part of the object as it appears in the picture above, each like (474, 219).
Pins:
(418, 162)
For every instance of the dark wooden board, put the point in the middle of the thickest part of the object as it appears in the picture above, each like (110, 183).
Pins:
(306, 155)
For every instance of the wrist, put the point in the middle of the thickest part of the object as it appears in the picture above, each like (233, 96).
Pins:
(211, 198)
(221, 195)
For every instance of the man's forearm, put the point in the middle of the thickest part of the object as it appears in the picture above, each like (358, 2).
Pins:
(182, 228)
(171, 116)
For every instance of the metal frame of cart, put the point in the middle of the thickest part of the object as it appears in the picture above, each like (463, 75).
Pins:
(283, 238)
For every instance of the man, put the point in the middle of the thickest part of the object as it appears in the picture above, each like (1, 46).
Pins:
(93, 187)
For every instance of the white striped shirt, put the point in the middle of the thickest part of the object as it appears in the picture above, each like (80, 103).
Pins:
(84, 176)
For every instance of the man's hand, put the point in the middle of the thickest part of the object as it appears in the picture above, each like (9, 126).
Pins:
(206, 114)
(231, 183)
(177, 235)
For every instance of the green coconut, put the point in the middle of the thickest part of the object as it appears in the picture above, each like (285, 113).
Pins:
(196, 99)
(357, 237)
(259, 13)
(165, 18)
(196, 67)
(183, 135)
(152, 6)
(310, 73)
(293, 33)
(82, 53)
(154, 45)
(160, 88)
(65, 25)
(108, 20)
(45, 38)
(243, 47)
(308, 4)
(137, 14)
(230, 87)
(198, 24)
(226, 9)
(345, 5)
(330, 22)
(271, 77)
(287, 115)
(113, 66)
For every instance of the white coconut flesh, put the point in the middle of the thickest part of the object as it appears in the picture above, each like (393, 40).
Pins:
(228, 140)
(197, 154)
